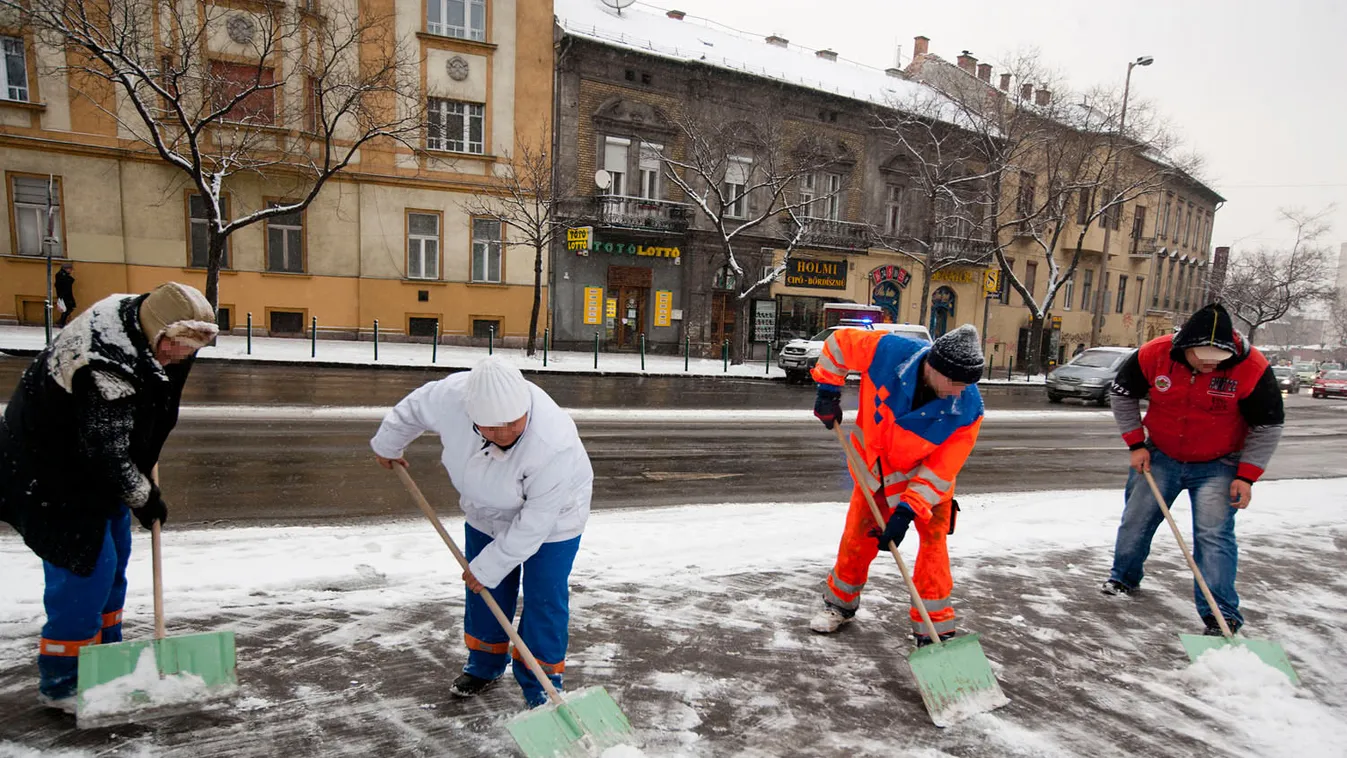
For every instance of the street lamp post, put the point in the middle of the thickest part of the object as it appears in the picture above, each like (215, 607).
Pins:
(1101, 290)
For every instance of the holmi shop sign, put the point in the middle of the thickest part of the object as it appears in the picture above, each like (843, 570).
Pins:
(805, 272)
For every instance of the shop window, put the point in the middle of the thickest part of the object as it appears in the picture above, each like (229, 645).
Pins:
(29, 210)
(423, 326)
(285, 322)
(483, 328)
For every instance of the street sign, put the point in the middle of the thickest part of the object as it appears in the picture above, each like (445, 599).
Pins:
(991, 281)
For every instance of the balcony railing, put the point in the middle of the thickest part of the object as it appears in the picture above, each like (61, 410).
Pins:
(966, 248)
(1142, 247)
(825, 232)
(642, 213)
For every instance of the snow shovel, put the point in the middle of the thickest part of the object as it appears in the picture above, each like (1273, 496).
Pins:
(126, 682)
(1267, 651)
(954, 676)
(585, 723)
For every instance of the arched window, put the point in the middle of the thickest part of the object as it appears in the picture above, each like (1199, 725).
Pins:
(943, 304)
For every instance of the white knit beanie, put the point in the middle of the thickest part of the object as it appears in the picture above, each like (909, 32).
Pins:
(497, 393)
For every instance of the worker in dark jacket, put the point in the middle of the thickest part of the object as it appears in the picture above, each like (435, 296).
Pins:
(1214, 420)
(78, 443)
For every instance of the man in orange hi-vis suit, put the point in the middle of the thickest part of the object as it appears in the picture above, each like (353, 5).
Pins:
(920, 412)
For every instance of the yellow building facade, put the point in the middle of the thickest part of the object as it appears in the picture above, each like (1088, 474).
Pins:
(389, 238)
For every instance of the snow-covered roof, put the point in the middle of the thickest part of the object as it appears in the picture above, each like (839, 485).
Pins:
(647, 29)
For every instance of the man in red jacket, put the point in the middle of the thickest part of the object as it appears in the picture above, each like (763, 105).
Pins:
(1214, 420)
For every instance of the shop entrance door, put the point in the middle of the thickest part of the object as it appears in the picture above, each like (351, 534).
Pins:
(628, 288)
(723, 312)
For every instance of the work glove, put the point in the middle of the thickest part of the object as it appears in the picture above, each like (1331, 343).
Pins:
(896, 529)
(154, 509)
(828, 405)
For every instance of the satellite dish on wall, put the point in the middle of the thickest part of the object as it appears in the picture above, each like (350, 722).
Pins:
(602, 179)
(617, 5)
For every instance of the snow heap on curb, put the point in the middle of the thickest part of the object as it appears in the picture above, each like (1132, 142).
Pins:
(143, 688)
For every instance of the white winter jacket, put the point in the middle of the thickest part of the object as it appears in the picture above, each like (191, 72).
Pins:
(537, 491)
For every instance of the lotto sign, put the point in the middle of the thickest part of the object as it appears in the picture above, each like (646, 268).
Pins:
(612, 308)
(593, 305)
(663, 307)
(991, 281)
(578, 239)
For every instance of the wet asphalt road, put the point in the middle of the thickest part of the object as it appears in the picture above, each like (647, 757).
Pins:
(300, 471)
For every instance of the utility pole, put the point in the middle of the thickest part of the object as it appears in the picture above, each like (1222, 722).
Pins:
(48, 243)
(1101, 287)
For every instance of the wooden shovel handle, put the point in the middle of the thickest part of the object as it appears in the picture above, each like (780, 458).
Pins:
(1187, 554)
(858, 465)
(157, 561)
(485, 594)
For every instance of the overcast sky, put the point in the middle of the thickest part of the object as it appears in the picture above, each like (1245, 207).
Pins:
(1259, 89)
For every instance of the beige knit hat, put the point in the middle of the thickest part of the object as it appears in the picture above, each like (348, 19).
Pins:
(497, 393)
(179, 312)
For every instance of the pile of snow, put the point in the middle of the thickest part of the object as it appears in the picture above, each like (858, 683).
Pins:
(143, 688)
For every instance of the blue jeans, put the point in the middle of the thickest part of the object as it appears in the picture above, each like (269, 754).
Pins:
(83, 610)
(1214, 546)
(544, 624)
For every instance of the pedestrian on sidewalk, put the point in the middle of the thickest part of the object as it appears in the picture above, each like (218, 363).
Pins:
(64, 283)
(79, 440)
(920, 412)
(524, 483)
(1214, 421)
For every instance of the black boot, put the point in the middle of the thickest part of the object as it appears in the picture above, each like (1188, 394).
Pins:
(467, 685)
(1214, 629)
(1115, 587)
(923, 640)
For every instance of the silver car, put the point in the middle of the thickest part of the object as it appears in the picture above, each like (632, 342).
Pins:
(1088, 376)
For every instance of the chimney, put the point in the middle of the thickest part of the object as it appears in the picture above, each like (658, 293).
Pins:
(1005, 82)
(1026, 92)
(1042, 97)
(827, 55)
(676, 15)
(776, 41)
(967, 62)
(920, 46)
(985, 72)
(898, 56)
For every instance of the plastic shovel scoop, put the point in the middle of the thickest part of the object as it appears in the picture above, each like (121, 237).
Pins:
(1267, 651)
(125, 682)
(583, 723)
(954, 676)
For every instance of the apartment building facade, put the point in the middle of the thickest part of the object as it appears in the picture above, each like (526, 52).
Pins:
(388, 238)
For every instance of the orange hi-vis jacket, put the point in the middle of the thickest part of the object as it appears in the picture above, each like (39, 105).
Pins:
(918, 452)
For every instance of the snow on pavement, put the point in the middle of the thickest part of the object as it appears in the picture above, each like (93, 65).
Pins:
(694, 618)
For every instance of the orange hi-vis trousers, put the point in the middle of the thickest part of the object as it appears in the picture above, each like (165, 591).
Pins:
(860, 546)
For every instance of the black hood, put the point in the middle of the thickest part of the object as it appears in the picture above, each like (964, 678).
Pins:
(1210, 327)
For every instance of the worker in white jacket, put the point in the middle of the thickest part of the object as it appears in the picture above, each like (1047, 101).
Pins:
(524, 484)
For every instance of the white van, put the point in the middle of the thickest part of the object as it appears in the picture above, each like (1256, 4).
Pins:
(798, 356)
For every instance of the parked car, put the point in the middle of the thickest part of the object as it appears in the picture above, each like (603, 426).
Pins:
(1331, 384)
(1307, 372)
(798, 356)
(1287, 379)
(1088, 376)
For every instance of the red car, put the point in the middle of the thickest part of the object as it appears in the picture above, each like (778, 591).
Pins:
(1332, 383)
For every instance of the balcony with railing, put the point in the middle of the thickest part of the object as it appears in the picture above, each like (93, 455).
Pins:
(641, 213)
(1142, 247)
(830, 233)
(960, 247)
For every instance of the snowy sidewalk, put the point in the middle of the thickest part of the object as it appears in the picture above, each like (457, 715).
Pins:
(28, 339)
(694, 618)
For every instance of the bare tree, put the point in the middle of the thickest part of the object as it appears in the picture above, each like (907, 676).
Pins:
(753, 182)
(287, 94)
(526, 204)
(1264, 285)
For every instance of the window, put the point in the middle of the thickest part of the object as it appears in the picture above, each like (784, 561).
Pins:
(465, 19)
(13, 69)
(1006, 273)
(1164, 221)
(1031, 277)
(285, 322)
(1083, 206)
(832, 184)
(229, 80)
(1141, 294)
(313, 106)
(1024, 206)
(1122, 294)
(1112, 216)
(484, 328)
(423, 245)
(1155, 286)
(808, 193)
(736, 179)
(1187, 226)
(285, 242)
(32, 225)
(1139, 222)
(486, 250)
(1169, 282)
(893, 210)
(423, 326)
(649, 167)
(1068, 291)
(199, 236)
(455, 126)
(1086, 290)
(615, 163)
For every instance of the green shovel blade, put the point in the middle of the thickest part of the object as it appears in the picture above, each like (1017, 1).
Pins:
(956, 680)
(210, 656)
(1267, 651)
(586, 724)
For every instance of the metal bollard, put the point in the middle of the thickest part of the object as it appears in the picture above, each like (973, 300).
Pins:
(596, 351)
(250, 333)
(491, 340)
(547, 333)
(313, 338)
(725, 354)
(687, 344)
(643, 351)
(767, 365)
(435, 346)
(376, 339)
